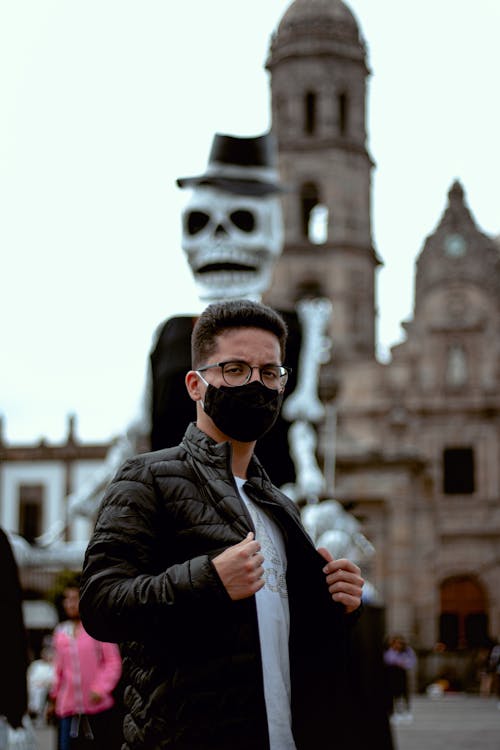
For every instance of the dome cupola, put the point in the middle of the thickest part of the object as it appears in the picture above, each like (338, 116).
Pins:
(315, 24)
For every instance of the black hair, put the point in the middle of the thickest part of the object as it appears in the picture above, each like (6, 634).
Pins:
(220, 316)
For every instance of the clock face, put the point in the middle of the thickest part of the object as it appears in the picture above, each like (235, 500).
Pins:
(455, 245)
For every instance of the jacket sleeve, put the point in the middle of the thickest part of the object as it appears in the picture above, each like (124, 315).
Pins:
(123, 594)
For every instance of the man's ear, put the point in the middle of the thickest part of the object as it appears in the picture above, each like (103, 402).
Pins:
(193, 385)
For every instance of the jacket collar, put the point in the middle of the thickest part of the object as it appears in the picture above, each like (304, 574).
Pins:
(215, 464)
(217, 456)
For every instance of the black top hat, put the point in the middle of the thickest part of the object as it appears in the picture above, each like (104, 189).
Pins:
(240, 165)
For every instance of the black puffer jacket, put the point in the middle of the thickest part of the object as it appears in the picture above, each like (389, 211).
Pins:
(192, 664)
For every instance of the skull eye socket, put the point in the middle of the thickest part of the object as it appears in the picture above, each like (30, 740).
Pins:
(196, 221)
(243, 220)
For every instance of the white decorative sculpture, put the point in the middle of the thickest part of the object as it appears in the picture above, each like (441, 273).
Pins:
(330, 526)
(304, 403)
(303, 407)
(309, 482)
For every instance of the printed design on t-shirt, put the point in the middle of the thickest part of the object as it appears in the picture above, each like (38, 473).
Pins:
(274, 569)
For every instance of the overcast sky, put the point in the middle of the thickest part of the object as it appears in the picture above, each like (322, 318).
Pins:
(105, 102)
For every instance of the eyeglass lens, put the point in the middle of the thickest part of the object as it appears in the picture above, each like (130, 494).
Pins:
(239, 373)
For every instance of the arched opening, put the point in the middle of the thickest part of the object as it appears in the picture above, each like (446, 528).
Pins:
(31, 503)
(309, 198)
(308, 289)
(317, 229)
(343, 112)
(463, 620)
(310, 113)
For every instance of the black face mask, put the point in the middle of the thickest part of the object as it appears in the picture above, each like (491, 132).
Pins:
(243, 412)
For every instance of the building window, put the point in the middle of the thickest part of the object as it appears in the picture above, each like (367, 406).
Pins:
(30, 510)
(310, 113)
(343, 111)
(456, 368)
(309, 198)
(458, 471)
(317, 228)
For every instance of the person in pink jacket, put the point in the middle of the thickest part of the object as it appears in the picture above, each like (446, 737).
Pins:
(86, 672)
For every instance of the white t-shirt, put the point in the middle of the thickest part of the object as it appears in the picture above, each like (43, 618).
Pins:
(274, 625)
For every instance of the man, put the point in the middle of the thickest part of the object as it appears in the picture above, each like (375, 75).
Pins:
(233, 629)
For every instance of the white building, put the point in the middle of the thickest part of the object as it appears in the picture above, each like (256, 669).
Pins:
(35, 483)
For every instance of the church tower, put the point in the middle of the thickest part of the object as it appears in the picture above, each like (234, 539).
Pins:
(317, 63)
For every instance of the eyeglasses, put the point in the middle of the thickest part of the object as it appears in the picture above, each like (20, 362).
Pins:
(239, 373)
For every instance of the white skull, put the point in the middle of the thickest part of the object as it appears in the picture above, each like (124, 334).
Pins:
(231, 242)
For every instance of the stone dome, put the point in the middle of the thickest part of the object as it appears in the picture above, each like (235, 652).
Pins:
(317, 27)
(310, 16)
(303, 12)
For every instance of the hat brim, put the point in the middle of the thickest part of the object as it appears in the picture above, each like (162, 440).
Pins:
(231, 185)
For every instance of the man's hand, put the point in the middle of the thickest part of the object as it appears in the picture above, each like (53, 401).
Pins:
(240, 568)
(95, 697)
(344, 580)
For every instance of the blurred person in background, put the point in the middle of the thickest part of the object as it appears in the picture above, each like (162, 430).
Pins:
(40, 679)
(399, 659)
(494, 670)
(86, 672)
(13, 687)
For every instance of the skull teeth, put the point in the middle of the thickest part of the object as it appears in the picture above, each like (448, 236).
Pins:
(222, 267)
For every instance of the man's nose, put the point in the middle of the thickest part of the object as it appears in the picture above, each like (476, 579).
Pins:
(255, 374)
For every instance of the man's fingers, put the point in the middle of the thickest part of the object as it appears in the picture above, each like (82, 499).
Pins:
(249, 545)
(341, 564)
(240, 568)
(249, 538)
(344, 581)
(325, 554)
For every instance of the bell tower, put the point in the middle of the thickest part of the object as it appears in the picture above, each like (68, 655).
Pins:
(317, 63)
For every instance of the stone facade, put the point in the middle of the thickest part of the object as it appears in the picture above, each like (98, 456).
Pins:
(417, 440)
